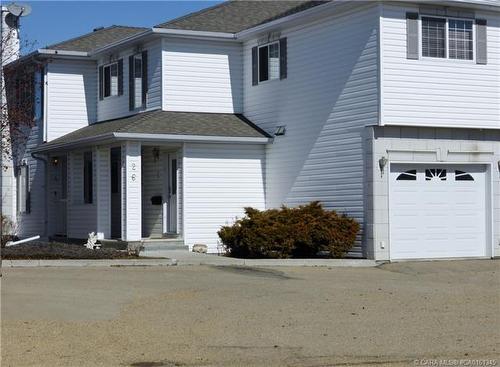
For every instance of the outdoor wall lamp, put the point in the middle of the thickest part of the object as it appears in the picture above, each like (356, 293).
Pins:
(156, 154)
(382, 162)
(55, 161)
(280, 130)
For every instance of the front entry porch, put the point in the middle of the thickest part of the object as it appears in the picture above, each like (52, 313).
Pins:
(128, 192)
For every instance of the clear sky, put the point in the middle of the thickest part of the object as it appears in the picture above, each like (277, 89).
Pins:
(54, 21)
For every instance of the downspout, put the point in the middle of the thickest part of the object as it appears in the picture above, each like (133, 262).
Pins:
(45, 161)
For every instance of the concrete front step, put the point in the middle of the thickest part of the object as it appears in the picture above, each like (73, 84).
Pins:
(164, 244)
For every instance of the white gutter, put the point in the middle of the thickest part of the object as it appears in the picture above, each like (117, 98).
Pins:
(46, 147)
(194, 34)
(191, 138)
(45, 51)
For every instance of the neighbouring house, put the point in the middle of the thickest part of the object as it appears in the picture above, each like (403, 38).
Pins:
(386, 111)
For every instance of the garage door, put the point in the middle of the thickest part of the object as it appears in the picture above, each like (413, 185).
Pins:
(437, 211)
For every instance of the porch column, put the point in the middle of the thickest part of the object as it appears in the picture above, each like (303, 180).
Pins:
(131, 192)
(103, 191)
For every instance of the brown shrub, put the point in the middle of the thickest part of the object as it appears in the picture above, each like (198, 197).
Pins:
(290, 232)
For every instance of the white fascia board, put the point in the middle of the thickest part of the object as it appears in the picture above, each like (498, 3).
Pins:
(191, 138)
(52, 147)
(194, 34)
(45, 51)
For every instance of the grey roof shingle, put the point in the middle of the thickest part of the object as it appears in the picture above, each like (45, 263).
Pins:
(99, 38)
(238, 15)
(167, 122)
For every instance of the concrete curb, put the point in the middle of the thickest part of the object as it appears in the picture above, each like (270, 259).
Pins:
(189, 258)
(86, 263)
(205, 260)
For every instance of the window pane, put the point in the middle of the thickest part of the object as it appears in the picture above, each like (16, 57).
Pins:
(114, 79)
(107, 81)
(138, 66)
(137, 81)
(433, 37)
(460, 39)
(274, 61)
(263, 65)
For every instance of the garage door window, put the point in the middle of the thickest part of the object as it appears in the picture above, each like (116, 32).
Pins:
(463, 176)
(435, 174)
(410, 175)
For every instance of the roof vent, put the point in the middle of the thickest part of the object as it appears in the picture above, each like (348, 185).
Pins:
(98, 29)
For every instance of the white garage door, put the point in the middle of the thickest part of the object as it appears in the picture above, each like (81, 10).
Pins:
(437, 211)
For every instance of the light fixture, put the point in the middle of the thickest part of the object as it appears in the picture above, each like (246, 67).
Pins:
(156, 154)
(55, 161)
(382, 162)
(280, 130)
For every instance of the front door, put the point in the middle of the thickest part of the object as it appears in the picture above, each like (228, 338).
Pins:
(170, 201)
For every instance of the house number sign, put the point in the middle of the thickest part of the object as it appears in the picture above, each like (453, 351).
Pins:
(133, 169)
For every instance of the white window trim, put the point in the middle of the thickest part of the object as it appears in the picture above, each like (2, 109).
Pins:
(104, 66)
(447, 46)
(268, 71)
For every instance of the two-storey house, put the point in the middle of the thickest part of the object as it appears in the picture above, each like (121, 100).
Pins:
(386, 111)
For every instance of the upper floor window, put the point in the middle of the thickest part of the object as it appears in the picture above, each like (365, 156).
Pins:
(111, 79)
(269, 62)
(138, 79)
(446, 37)
(446, 33)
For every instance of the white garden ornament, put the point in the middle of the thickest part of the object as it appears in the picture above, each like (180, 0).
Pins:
(92, 242)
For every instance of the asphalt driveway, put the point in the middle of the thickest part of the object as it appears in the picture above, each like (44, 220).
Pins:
(232, 316)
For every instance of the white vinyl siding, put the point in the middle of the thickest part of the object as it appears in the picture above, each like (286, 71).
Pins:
(433, 91)
(219, 181)
(202, 76)
(71, 97)
(118, 106)
(326, 101)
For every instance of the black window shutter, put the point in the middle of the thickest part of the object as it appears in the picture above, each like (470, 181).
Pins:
(120, 77)
(255, 68)
(144, 77)
(412, 36)
(283, 59)
(481, 42)
(131, 92)
(101, 83)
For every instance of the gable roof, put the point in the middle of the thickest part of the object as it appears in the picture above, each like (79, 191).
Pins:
(160, 122)
(99, 38)
(237, 15)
